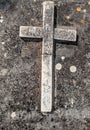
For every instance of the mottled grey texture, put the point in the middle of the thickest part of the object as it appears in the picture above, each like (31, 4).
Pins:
(20, 86)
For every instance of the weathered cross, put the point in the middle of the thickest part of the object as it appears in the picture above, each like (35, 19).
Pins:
(48, 33)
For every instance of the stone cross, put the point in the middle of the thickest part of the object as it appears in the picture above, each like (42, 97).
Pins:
(48, 33)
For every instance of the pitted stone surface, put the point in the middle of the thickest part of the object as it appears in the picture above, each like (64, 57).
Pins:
(33, 32)
(65, 33)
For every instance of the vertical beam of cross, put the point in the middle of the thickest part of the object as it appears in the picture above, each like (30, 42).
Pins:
(48, 33)
(47, 57)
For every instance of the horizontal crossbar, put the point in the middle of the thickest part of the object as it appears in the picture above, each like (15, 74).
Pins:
(31, 32)
(61, 33)
(65, 33)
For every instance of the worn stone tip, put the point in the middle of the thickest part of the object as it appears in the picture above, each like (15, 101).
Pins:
(48, 2)
(46, 110)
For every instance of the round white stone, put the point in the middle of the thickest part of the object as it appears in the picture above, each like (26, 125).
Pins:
(73, 69)
(58, 66)
(13, 115)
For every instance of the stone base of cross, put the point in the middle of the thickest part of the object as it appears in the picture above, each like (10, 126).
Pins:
(48, 33)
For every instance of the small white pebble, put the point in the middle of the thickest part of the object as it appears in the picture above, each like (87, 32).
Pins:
(72, 101)
(1, 20)
(3, 72)
(88, 55)
(88, 64)
(65, 106)
(1, 17)
(3, 43)
(58, 66)
(13, 115)
(88, 2)
(5, 55)
(63, 58)
(73, 69)
(84, 10)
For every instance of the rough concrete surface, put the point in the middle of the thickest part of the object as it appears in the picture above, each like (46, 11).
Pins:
(20, 68)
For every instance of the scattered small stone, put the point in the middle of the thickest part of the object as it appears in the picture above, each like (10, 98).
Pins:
(82, 21)
(32, 19)
(84, 10)
(63, 58)
(88, 55)
(88, 2)
(89, 64)
(5, 55)
(58, 66)
(73, 69)
(68, 17)
(66, 105)
(78, 9)
(72, 102)
(74, 82)
(3, 72)
(3, 43)
(13, 115)
(1, 19)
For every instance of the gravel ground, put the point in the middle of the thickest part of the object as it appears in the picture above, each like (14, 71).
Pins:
(20, 68)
